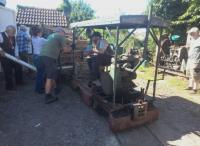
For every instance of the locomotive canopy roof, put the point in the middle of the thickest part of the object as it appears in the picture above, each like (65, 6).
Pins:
(123, 22)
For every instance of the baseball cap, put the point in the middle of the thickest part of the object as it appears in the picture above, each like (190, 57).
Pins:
(59, 29)
(193, 29)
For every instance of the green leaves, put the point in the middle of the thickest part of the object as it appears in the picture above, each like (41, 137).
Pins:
(178, 11)
(191, 15)
(77, 10)
(182, 14)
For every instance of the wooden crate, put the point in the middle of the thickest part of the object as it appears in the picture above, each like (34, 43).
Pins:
(67, 58)
(80, 44)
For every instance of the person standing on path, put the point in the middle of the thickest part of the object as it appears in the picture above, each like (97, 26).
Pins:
(49, 54)
(23, 43)
(193, 63)
(7, 45)
(37, 44)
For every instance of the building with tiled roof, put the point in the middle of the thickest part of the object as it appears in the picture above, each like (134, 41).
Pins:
(31, 16)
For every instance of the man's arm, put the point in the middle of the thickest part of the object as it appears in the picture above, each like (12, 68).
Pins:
(1, 50)
(64, 47)
(67, 49)
(27, 37)
(1, 38)
(16, 51)
(2, 53)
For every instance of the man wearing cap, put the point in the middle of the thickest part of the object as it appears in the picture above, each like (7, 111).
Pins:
(49, 54)
(193, 63)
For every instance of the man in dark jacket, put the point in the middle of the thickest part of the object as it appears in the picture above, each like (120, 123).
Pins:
(7, 44)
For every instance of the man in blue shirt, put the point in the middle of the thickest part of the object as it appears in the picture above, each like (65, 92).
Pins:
(23, 43)
(96, 55)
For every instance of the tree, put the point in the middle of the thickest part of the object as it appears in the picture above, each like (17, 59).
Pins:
(191, 16)
(77, 10)
(172, 10)
(67, 8)
(169, 9)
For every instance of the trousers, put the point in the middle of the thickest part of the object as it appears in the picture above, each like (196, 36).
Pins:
(11, 70)
(40, 74)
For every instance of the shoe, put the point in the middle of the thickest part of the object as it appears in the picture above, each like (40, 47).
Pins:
(57, 91)
(49, 99)
(97, 83)
(40, 92)
(188, 88)
(193, 92)
(9, 88)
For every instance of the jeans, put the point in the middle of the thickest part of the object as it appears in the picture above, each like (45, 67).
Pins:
(94, 67)
(40, 75)
(95, 62)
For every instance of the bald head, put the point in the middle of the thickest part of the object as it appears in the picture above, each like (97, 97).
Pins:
(10, 30)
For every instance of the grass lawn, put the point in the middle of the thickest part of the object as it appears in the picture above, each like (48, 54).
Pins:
(174, 84)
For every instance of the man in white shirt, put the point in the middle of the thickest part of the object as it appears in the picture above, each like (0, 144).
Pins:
(193, 63)
(7, 44)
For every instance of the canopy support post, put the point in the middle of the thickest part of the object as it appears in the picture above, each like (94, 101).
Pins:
(73, 49)
(115, 66)
(156, 65)
(121, 43)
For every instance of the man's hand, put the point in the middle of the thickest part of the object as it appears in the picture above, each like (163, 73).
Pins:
(95, 50)
(67, 49)
(2, 53)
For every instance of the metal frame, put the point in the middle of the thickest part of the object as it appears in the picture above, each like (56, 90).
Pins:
(147, 22)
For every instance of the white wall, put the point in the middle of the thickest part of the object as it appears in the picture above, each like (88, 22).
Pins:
(7, 17)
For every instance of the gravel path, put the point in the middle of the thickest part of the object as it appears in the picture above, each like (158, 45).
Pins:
(26, 121)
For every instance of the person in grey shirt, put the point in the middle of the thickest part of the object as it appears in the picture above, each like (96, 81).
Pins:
(193, 64)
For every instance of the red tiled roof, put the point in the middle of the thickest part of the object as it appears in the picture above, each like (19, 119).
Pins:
(40, 16)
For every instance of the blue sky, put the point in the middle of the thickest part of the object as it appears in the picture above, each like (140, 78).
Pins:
(103, 8)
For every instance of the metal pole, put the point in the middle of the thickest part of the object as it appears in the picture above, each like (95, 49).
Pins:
(103, 34)
(21, 62)
(110, 35)
(73, 49)
(121, 43)
(153, 34)
(156, 66)
(147, 34)
(80, 32)
(115, 66)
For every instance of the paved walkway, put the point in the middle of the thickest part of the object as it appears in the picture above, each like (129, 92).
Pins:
(26, 121)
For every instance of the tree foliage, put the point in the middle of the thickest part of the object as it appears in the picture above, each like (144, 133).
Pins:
(191, 16)
(77, 10)
(182, 14)
(66, 7)
(169, 9)
(178, 11)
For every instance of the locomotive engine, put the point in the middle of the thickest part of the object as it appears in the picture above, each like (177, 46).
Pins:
(125, 74)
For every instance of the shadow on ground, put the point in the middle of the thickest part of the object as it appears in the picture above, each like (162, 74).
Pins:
(26, 121)
(178, 125)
